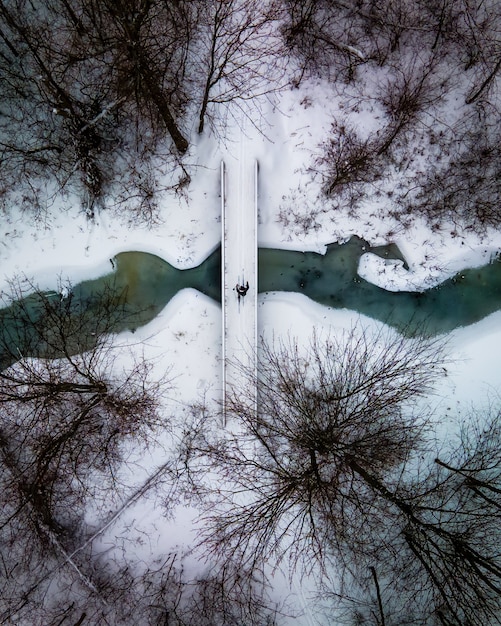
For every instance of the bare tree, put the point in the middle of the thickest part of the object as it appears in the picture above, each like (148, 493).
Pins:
(162, 592)
(68, 408)
(440, 563)
(237, 53)
(466, 188)
(289, 474)
(478, 46)
(334, 38)
(226, 595)
(325, 37)
(53, 109)
(108, 80)
(348, 160)
(334, 471)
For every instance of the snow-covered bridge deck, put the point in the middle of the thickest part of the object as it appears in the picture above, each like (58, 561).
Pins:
(239, 265)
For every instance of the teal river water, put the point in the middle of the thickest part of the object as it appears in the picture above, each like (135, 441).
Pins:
(146, 283)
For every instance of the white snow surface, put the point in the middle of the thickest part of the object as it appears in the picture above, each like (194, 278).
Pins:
(186, 336)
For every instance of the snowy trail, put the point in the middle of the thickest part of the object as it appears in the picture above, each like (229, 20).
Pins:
(239, 263)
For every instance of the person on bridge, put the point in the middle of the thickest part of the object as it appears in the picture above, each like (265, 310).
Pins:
(242, 290)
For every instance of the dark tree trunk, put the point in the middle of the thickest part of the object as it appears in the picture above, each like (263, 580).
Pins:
(158, 98)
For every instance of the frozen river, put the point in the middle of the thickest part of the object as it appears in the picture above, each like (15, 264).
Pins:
(146, 283)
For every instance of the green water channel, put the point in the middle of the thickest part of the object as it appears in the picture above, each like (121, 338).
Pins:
(137, 288)
(332, 280)
(141, 284)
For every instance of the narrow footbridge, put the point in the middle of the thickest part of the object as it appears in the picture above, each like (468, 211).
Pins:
(239, 267)
(239, 187)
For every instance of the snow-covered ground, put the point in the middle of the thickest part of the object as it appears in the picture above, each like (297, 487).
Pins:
(186, 336)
